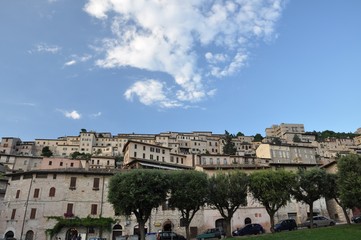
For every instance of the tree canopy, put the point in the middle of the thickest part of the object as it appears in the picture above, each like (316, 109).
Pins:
(272, 189)
(138, 191)
(257, 138)
(46, 152)
(333, 192)
(349, 171)
(226, 193)
(188, 190)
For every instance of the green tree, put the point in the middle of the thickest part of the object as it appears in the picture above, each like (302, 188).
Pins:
(296, 138)
(138, 191)
(188, 190)
(46, 152)
(310, 186)
(226, 193)
(229, 147)
(257, 138)
(272, 189)
(240, 134)
(333, 192)
(349, 171)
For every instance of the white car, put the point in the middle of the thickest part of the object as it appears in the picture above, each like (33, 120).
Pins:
(319, 221)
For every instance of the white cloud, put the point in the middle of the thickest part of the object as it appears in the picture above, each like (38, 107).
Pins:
(75, 59)
(43, 47)
(150, 92)
(70, 114)
(95, 115)
(189, 40)
(69, 63)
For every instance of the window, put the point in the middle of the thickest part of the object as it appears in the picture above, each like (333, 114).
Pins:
(69, 208)
(94, 209)
(151, 156)
(71, 164)
(33, 213)
(96, 183)
(36, 192)
(13, 214)
(52, 192)
(143, 155)
(17, 194)
(144, 148)
(61, 164)
(135, 154)
(54, 176)
(135, 146)
(72, 182)
(50, 163)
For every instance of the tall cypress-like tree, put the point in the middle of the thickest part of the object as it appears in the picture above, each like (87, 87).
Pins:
(229, 147)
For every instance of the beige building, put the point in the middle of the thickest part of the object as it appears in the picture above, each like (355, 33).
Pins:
(280, 130)
(287, 154)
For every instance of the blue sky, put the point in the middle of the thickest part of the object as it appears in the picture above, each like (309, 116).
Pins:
(155, 66)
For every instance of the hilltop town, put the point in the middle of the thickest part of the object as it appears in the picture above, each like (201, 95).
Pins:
(69, 176)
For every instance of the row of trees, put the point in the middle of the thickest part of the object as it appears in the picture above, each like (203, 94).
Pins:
(139, 191)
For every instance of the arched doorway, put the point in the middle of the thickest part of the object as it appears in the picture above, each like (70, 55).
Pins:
(29, 235)
(117, 231)
(9, 235)
(247, 220)
(168, 226)
(71, 234)
(221, 223)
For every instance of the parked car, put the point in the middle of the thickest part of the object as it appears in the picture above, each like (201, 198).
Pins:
(249, 229)
(356, 219)
(286, 224)
(169, 236)
(319, 221)
(212, 233)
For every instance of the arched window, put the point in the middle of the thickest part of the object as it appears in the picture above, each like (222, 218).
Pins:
(52, 192)
(29, 235)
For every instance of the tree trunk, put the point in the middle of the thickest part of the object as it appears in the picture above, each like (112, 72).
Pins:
(346, 215)
(311, 215)
(188, 237)
(228, 227)
(272, 220)
(141, 230)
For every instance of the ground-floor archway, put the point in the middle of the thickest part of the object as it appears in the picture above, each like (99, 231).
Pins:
(117, 231)
(221, 223)
(71, 234)
(9, 235)
(29, 235)
(168, 226)
(247, 220)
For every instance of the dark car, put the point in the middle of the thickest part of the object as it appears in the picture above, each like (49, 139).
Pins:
(212, 233)
(249, 229)
(356, 219)
(286, 224)
(169, 236)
